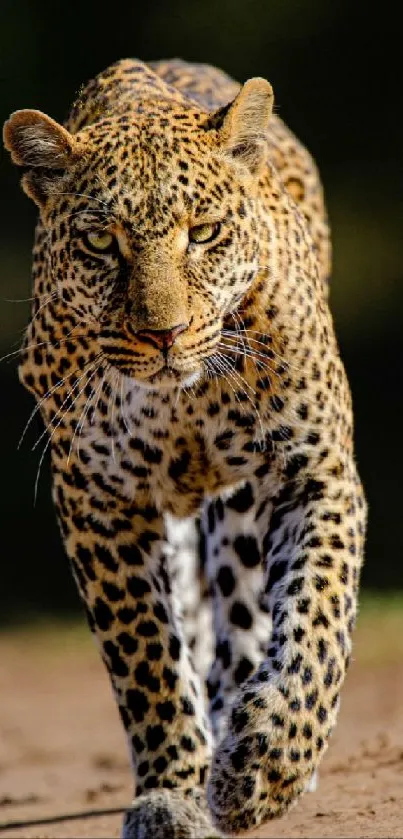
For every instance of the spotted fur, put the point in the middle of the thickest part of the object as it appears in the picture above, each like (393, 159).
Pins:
(197, 381)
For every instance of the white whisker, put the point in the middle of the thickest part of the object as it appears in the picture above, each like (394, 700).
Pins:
(113, 407)
(48, 442)
(69, 396)
(39, 344)
(98, 394)
(83, 414)
(85, 195)
(239, 379)
(267, 354)
(43, 399)
(18, 299)
(122, 402)
(259, 358)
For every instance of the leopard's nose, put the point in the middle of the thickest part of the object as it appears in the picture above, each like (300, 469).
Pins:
(163, 339)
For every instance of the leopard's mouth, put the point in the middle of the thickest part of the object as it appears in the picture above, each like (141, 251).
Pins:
(149, 368)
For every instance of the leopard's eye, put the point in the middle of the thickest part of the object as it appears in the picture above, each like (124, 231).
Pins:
(99, 242)
(203, 233)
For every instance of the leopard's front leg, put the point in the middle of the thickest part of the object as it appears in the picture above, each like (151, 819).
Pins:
(283, 715)
(116, 549)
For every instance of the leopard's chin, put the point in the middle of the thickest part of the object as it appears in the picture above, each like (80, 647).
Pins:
(169, 378)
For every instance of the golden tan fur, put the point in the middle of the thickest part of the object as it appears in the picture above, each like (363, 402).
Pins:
(183, 357)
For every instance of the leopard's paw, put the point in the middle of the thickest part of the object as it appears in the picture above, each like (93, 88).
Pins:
(264, 763)
(166, 814)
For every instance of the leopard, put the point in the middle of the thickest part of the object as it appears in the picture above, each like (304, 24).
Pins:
(183, 359)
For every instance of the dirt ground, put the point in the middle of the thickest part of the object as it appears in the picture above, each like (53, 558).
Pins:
(63, 756)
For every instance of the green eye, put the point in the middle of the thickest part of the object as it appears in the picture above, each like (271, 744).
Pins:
(202, 233)
(99, 242)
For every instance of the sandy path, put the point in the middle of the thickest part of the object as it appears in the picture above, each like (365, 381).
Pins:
(62, 751)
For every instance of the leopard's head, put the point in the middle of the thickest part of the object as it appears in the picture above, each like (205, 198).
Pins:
(152, 221)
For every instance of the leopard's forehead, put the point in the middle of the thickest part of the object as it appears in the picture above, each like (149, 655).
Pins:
(158, 161)
(156, 125)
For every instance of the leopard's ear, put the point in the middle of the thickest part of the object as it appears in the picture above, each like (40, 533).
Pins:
(43, 147)
(242, 124)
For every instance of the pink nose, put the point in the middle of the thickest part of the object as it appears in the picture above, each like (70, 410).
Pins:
(161, 338)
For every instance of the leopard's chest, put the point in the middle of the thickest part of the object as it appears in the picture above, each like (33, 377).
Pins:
(177, 457)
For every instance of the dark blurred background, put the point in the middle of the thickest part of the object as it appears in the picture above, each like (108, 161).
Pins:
(336, 72)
